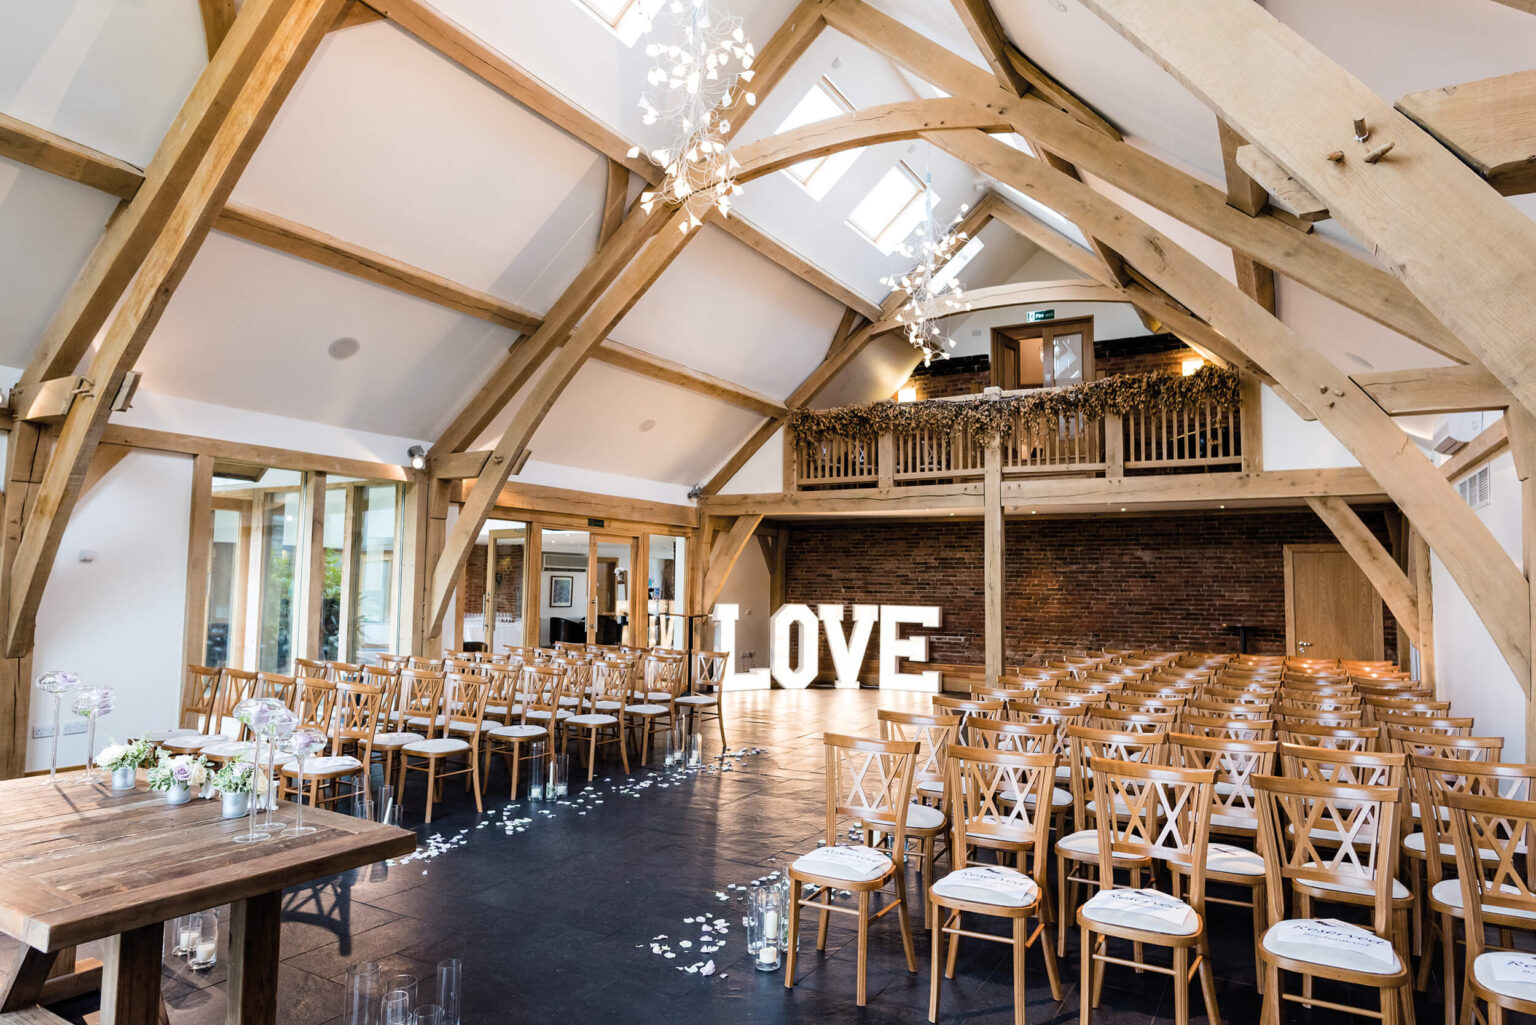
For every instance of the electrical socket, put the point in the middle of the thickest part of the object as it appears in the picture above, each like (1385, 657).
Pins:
(42, 732)
(72, 728)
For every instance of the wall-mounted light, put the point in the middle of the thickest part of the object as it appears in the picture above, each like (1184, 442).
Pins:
(1191, 364)
(418, 457)
(906, 393)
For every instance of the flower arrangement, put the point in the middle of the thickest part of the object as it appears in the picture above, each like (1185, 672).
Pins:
(170, 771)
(235, 777)
(125, 756)
(988, 417)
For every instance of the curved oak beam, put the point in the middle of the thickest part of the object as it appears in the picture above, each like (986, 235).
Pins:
(1494, 585)
(1313, 261)
(870, 126)
(1465, 252)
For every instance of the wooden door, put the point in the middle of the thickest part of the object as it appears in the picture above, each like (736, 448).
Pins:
(1331, 609)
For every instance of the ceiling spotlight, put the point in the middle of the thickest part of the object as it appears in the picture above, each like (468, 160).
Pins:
(343, 348)
(695, 492)
(418, 457)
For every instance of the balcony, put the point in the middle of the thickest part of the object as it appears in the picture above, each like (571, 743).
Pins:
(1202, 435)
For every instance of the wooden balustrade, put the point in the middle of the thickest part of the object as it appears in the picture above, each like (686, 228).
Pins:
(1200, 439)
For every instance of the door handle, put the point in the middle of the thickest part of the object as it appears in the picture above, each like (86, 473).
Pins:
(1303, 644)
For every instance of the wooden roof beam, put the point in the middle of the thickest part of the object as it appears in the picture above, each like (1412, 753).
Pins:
(1385, 575)
(1239, 57)
(36, 147)
(1434, 390)
(1495, 587)
(987, 33)
(1490, 124)
(1311, 260)
(188, 181)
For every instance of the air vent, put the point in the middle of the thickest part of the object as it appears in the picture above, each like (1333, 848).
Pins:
(1474, 490)
(567, 561)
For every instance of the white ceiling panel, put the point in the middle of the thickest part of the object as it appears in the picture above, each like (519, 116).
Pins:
(48, 226)
(386, 144)
(618, 422)
(249, 328)
(723, 309)
(106, 73)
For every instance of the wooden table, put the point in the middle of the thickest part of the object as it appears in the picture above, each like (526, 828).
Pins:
(79, 863)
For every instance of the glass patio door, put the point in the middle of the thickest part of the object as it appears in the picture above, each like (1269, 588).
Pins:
(505, 574)
(609, 583)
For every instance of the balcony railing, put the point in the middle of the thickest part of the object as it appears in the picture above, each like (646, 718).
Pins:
(1202, 438)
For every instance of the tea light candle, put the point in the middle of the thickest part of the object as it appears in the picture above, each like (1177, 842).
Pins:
(769, 954)
(207, 952)
(188, 939)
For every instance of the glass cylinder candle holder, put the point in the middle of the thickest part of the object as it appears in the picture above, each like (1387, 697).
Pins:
(363, 997)
(763, 916)
(559, 786)
(57, 683)
(536, 772)
(695, 751)
(204, 951)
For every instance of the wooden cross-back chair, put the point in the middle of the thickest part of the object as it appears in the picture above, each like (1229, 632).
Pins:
(409, 694)
(1377, 709)
(464, 697)
(1494, 838)
(1292, 812)
(197, 718)
(1070, 698)
(338, 672)
(1130, 721)
(1437, 777)
(317, 702)
(354, 722)
(1163, 814)
(235, 686)
(702, 701)
(1234, 814)
(604, 722)
(650, 702)
(536, 717)
(933, 735)
(1335, 738)
(1077, 853)
(996, 802)
(309, 668)
(869, 782)
(1042, 737)
(1226, 726)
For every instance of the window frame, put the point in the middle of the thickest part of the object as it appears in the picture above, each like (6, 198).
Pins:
(879, 238)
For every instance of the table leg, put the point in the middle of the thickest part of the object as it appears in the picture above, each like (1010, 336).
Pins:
(254, 947)
(28, 973)
(130, 977)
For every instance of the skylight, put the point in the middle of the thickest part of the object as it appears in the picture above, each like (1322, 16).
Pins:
(627, 19)
(819, 175)
(891, 210)
(968, 252)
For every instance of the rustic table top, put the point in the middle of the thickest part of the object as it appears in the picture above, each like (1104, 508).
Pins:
(80, 863)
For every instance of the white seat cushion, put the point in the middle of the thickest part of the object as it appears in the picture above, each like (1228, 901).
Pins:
(1235, 821)
(932, 786)
(1086, 841)
(1415, 842)
(659, 695)
(698, 699)
(325, 765)
(1447, 892)
(391, 741)
(607, 706)
(852, 862)
(1059, 798)
(1142, 909)
(989, 884)
(647, 709)
(194, 741)
(421, 720)
(923, 816)
(440, 746)
(469, 727)
(1365, 887)
(156, 736)
(592, 719)
(519, 731)
(543, 713)
(1507, 973)
(1327, 941)
(1231, 860)
(569, 702)
(230, 749)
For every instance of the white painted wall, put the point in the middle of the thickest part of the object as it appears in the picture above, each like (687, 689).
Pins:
(118, 621)
(747, 587)
(1469, 669)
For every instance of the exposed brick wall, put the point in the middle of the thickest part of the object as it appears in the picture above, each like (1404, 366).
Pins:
(959, 375)
(509, 595)
(1169, 581)
(1139, 355)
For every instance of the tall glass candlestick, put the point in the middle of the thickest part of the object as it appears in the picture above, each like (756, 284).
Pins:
(56, 683)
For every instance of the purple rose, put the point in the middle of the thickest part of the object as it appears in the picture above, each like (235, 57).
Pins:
(182, 772)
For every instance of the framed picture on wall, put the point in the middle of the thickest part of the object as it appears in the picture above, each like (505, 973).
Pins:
(559, 592)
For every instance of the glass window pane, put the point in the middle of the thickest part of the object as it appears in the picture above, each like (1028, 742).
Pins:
(1067, 359)
(335, 542)
(563, 587)
(665, 624)
(373, 572)
(224, 578)
(891, 210)
(279, 556)
(610, 587)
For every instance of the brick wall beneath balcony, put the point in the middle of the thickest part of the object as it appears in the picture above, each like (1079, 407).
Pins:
(509, 595)
(1169, 581)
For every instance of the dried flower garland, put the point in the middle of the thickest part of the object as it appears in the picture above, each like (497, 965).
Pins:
(987, 417)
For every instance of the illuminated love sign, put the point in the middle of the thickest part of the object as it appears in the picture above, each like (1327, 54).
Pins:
(796, 626)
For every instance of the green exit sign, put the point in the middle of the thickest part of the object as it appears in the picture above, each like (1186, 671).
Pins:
(1036, 315)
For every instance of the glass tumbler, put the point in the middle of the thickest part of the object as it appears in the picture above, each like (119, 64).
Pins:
(363, 997)
(450, 980)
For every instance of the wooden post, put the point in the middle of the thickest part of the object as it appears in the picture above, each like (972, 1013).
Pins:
(255, 929)
(993, 543)
(1114, 445)
(1251, 424)
(885, 460)
(415, 568)
(199, 547)
(312, 549)
(776, 569)
(640, 593)
(130, 977)
(533, 567)
(1422, 585)
(438, 500)
(791, 460)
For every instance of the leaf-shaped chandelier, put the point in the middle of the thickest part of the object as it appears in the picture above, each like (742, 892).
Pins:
(928, 299)
(702, 78)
